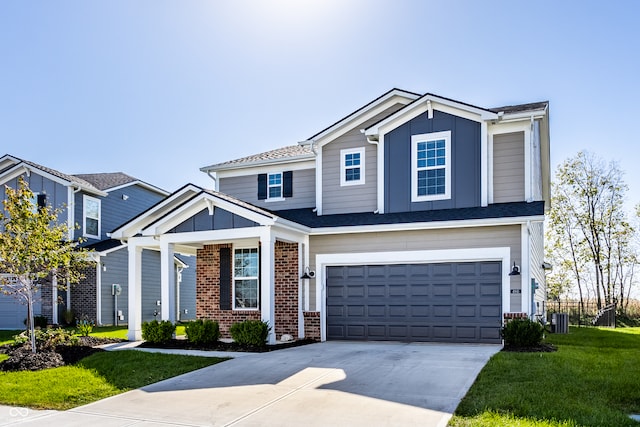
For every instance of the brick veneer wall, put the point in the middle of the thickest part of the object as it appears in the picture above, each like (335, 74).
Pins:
(287, 284)
(46, 300)
(286, 290)
(83, 294)
(312, 325)
(208, 291)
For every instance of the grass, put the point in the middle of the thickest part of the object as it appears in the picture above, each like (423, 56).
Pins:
(96, 377)
(6, 337)
(121, 331)
(592, 380)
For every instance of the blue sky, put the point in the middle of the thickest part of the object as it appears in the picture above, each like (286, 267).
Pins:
(158, 89)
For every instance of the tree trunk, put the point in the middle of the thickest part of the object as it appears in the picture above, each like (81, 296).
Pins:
(30, 320)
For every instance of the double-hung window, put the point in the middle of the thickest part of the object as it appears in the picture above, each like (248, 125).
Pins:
(274, 186)
(431, 166)
(245, 279)
(352, 166)
(91, 217)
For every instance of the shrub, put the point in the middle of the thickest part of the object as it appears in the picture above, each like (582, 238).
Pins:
(68, 316)
(250, 332)
(47, 339)
(38, 322)
(85, 326)
(158, 332)
(202, 331)
(522, 333)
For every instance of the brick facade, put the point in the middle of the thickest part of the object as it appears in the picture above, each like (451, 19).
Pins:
(83, 294)
(287, 284)
(46, 298)
(312, 325)
(286, 290)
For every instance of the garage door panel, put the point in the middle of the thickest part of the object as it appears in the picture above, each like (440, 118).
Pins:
(444, 302)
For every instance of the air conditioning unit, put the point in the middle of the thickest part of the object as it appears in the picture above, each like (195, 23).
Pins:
(560, 323)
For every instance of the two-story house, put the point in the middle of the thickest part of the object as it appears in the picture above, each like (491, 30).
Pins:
(96, 203)
(414, 218)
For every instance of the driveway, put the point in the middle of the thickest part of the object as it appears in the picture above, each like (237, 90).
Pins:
(324, 384)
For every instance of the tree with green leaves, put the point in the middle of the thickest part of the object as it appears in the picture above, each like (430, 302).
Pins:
(34, 246)
(589, 236)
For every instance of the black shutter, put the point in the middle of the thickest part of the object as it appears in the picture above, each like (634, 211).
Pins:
(262, 186)
(225, 278)
(42, 201)
(287, 184)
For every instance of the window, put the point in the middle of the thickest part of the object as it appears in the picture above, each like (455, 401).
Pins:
(274, 186)
(431, 166)
(38, 202)
(245, 279)
(91, 217)
(352, 166)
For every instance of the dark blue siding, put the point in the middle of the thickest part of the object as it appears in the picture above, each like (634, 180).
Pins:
(220, 220)
(56, 193)
(465, 155)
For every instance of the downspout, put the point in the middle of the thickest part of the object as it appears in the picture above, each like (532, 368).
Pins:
(215, 180)
(373, 140)
(531, 169)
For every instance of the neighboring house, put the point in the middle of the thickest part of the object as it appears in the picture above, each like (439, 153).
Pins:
(415, 218)
(96, 203)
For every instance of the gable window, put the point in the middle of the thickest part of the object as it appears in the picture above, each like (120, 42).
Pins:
(352, 166)
(245, 279)
(431, 166)
(38, 202)
(91, 217)
(275, 186)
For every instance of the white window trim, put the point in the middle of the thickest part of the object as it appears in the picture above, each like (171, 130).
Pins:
(415, 139)
(343, 167)
(233, 279)
(86, 198)
(275, 199)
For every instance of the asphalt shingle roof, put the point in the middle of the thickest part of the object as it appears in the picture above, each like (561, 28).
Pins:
(499, 210)
(104, 181)
(288, 152)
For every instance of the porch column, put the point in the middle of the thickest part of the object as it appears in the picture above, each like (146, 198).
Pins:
(167, 282)
(135, 292)
(267, 279)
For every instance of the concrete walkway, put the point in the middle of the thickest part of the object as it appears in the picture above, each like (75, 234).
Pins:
(324, 384)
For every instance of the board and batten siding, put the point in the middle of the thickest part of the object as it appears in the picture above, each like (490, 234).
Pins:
(352, 198)
(536, 231)
(123, 204)
(245, 188)
(115, 271)
(397, 241)
(508, 167)
(187, 290)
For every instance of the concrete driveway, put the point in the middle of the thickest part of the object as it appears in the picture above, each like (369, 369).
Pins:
(324, 384)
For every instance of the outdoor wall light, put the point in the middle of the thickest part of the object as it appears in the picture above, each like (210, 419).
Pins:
(515, 271)
(308, 274)
(158, 303)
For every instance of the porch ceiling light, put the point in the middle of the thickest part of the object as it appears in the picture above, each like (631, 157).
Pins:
(515, 271)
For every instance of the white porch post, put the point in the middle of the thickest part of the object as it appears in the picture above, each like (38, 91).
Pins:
(267, 285)
(135, 291)
(167, 282)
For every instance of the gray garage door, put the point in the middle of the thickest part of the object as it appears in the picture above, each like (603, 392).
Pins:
(447, 302)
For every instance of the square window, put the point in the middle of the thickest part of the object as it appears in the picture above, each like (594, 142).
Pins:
(351, 166)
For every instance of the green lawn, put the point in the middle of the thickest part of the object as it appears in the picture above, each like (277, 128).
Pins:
(121, 331)
(592, 380)
(95, 377)
(6, 337)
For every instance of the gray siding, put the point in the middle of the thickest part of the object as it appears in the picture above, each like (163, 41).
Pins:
(480, 237)
(187, 290)
(150, 285)
(508, 167)
(465, 159)
(114, 210)
(220, 220)
(537, 258)
(56, 192)
(246, 188)
(115, 272)
(353, 198)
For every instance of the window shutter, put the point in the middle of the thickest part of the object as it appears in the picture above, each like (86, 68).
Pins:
(287, 184)
(262, 186)
(225, 278)
(42, 201)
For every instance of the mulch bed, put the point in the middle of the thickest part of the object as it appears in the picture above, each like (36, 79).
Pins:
(225, 346)
(542, 348)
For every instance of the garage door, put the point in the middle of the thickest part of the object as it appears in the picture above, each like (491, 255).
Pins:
(12, 313)
(446, 302)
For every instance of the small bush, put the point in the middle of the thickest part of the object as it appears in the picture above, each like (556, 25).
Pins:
(38, 322)
(250, 332)
(85, 326)
(158, 332)
(47, 339)
(522, 333)
(68, 316)
(202, 331)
